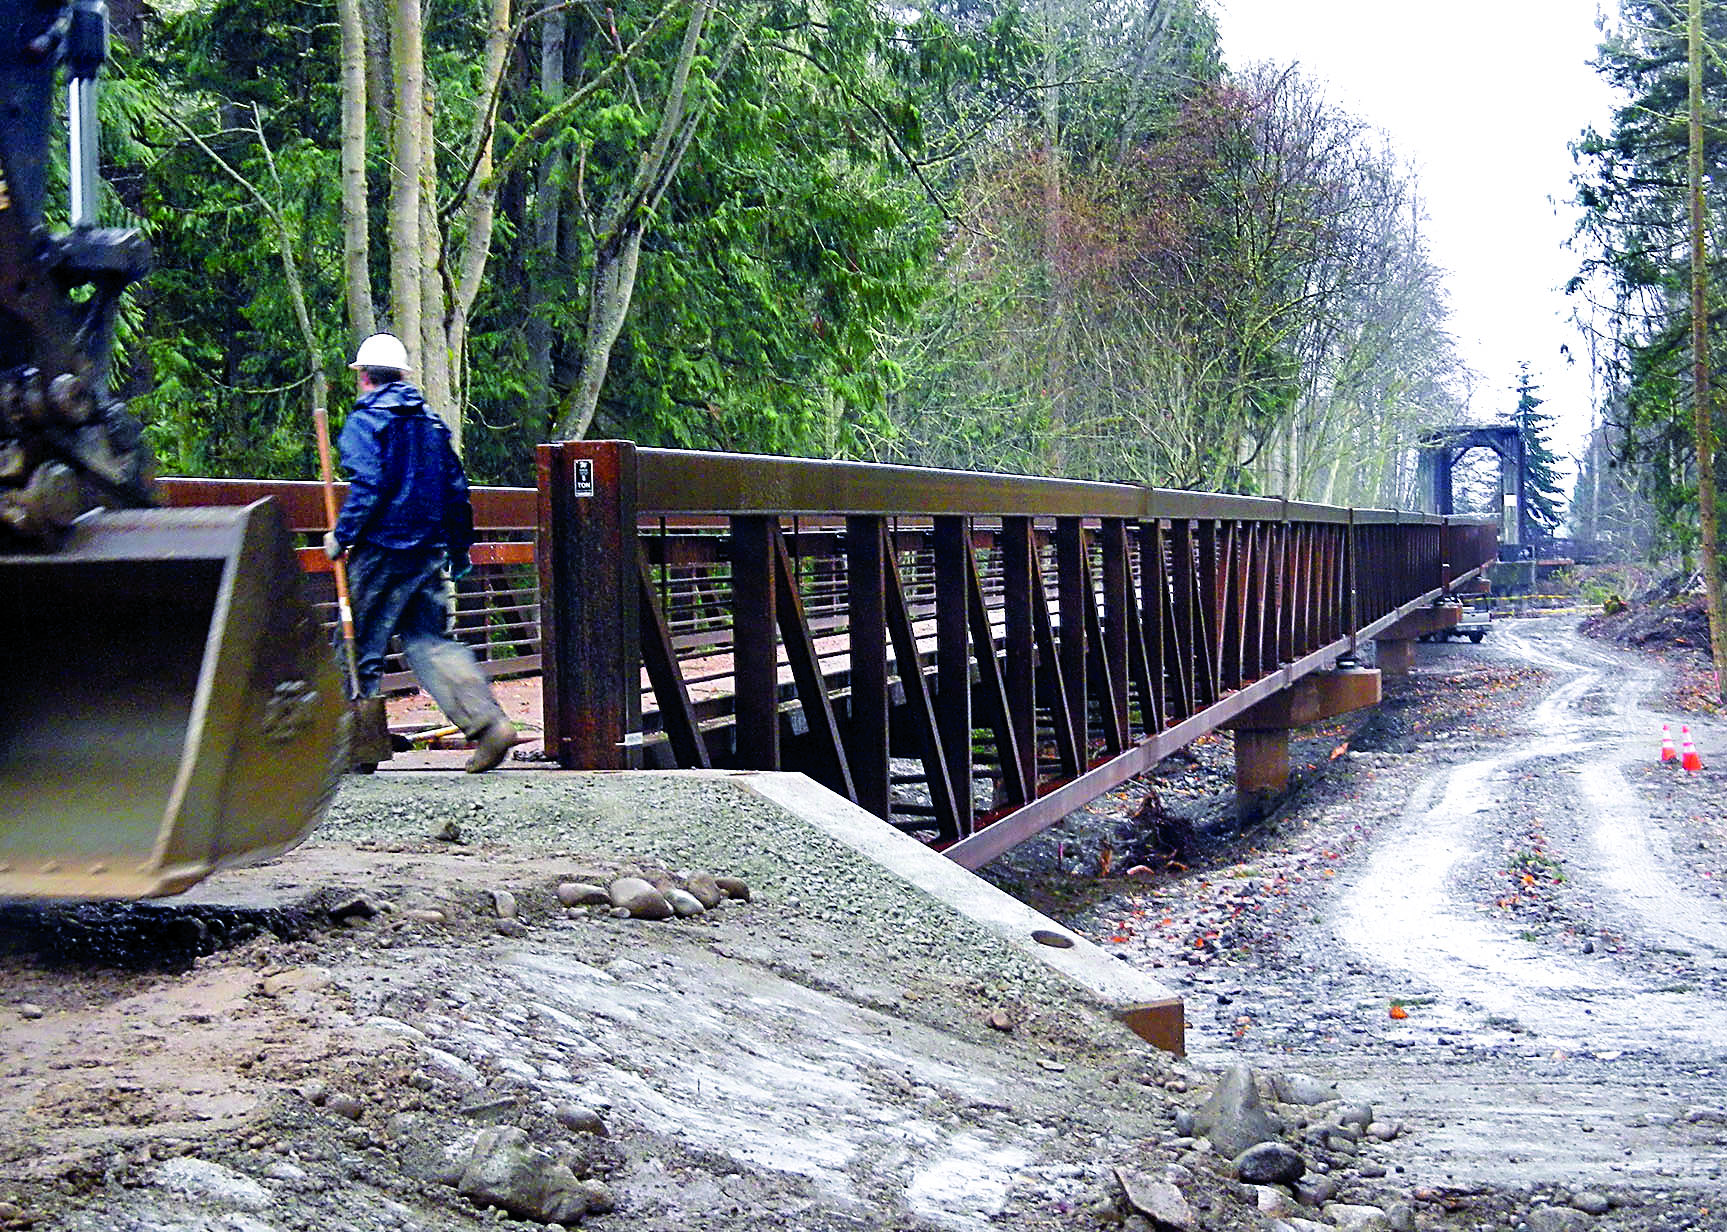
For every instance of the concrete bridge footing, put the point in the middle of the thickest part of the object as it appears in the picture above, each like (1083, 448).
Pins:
(1262, 733)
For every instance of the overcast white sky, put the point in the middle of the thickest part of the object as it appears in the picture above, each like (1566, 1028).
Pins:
(1482, 99)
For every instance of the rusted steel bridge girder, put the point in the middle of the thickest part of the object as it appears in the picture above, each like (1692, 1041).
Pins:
(969, 656)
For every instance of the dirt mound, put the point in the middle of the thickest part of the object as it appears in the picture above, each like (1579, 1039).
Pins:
(1681, 622)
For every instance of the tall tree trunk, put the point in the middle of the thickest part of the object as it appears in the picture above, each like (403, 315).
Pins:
(376, 17)
(611, 286)
(1055, 369)
(547, 215)
(618, 242)
(435, 342)
(406, 257)
(356, 238)
(1703, 401)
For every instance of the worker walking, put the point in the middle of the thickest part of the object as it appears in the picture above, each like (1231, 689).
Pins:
(405, 529)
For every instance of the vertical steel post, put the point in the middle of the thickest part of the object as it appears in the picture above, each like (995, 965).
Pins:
(755, 653)
(1070, 575)
(1017, 562)
(1116, 586)
(953, 659)
(866, 608)
(589, 619)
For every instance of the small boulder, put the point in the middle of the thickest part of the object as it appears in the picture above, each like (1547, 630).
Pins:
(582, 894)
(1301, 1089)
(1159, 1201)
(1358, 1115)
(734, 887)
(706, 889)
(1352, 1218)
(359, 907)
(598, 1197)
(1557, 1219)
(581, 1120)
(641, 900)
(505, 1171)
(1233, 1118)
(685, 903)
(1269, 1163)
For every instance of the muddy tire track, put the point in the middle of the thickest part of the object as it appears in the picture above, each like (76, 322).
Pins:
(1570, 1028)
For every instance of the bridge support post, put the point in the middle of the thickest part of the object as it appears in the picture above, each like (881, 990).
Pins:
(1262, 732)
(1395, 655)
(589, 590)
(1394, 646)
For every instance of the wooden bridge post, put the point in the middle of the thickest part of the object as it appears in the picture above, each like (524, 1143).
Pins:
(589, 619)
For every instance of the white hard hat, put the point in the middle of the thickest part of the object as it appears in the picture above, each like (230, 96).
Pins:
(382, 351)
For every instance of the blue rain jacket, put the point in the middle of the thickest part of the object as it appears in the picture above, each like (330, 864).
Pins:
(406, 486)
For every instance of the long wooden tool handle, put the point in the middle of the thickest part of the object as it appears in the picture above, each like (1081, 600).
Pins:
(344, 606)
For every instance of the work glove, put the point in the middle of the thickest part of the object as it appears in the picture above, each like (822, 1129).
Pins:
(332, 546)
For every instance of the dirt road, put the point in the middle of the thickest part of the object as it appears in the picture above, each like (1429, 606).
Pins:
(1503, 923)
(416, 1031)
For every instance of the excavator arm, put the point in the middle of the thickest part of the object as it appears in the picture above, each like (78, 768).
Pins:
(168, 703)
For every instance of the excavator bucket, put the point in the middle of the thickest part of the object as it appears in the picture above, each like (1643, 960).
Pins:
(168, 705)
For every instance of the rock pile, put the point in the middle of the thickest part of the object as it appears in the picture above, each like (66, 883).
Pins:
(634, 895)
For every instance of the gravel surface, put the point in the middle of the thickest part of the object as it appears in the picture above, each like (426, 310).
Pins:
(1497, 915)
(1475, 963)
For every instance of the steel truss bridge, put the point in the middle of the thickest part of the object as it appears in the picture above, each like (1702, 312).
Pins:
(716, 610)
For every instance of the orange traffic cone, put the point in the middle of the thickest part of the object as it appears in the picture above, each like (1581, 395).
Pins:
(1689, 760)
(1668, 752)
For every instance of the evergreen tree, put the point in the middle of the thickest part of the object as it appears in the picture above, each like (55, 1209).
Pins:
(1541, 488)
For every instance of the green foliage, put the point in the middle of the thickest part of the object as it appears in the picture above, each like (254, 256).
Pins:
(1050, 238)
(1541, 487)
(1634, 241)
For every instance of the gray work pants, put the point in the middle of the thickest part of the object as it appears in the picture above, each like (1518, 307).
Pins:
(405, 593)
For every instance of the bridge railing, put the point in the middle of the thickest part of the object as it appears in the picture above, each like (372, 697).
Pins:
(497, 605)
(969, 656)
